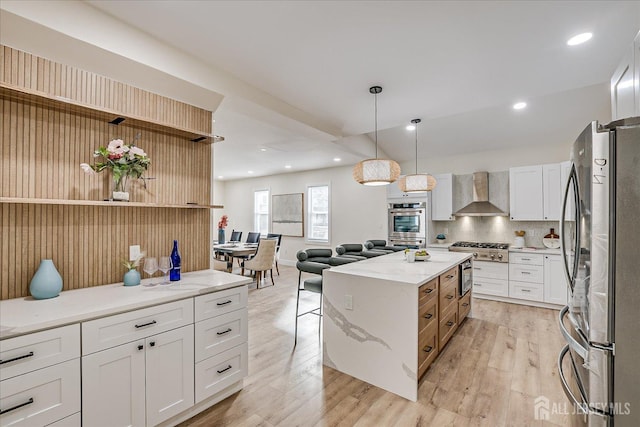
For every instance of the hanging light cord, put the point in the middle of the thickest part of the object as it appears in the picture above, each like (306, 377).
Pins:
(375, 95)
(416, 148)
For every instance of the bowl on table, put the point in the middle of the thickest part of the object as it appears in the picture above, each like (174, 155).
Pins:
(422, 257)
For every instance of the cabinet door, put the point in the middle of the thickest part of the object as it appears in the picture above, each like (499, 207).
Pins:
(169, 363)
(622, 88)
(555, 284)
(113, 389)
(393, 191)
(552, 191)
(442, 198)
(525, 191)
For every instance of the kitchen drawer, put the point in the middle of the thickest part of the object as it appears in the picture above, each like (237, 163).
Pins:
(74, 420)
(428, 314)
(448, 326)
(491, 270)
(427, 291)
(526, 273)
(524, 258)
(427, 347)
(491, 287)
(464, 306)
(449, 276)
(525, 290)
(220, 333)
(217, 372)
(41, 397)
(217, 303)
(448, 297)
(111, 331)
(27, 353)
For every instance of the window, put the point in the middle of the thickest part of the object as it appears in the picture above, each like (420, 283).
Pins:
(261, 211)
(318, 213)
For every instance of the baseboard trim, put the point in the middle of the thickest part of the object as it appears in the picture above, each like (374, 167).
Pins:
(518, 301)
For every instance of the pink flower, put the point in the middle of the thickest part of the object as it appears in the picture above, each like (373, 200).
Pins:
(87, 169)
(136, 151)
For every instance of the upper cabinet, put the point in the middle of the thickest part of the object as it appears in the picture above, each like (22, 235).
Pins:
(625, 84)
(525, 193)
(442, 198)
(536, 192)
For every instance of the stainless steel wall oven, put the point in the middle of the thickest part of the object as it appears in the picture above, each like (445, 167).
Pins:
(408, 224)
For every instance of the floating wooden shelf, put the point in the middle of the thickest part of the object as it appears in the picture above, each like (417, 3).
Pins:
(103, 203)
(9, 91)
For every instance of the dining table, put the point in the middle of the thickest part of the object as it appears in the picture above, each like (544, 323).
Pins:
(234, 250)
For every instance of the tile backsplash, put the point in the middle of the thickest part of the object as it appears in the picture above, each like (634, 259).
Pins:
(496, 229)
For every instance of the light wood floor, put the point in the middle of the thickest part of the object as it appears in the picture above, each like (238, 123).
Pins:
(498, 362)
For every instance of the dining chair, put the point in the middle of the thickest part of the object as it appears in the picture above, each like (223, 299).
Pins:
(279, 238)
(253, 237)
(262, 261)
(235, 236)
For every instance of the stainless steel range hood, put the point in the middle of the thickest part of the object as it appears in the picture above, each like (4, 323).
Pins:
(480, 205)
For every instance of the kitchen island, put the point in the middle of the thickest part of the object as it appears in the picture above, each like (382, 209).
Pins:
(385, 320)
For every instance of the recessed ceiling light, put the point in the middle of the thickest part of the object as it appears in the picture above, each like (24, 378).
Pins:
(579, 39)
(263, 149)
(220, 176)
(410, 127)
(337, 159)
(287, 166)
(519, 105)
(249, 171)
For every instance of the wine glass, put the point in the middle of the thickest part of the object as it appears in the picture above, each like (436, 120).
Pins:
(150, 266)
(165, 265)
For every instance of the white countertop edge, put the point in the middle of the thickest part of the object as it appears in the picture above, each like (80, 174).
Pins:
(393, 267)
(20, 316)
(531, 250)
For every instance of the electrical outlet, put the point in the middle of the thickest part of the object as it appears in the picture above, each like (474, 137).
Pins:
(348, 302)
(446, 230)
(134, 252)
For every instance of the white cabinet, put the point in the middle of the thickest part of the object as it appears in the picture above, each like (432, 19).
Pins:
(625, 84)
(555, 283)
(536, 192)
(442, 198)
(141, 362)
(490, 278)
(552, 191)
(525, 193)
(526, 276)
(40, 377)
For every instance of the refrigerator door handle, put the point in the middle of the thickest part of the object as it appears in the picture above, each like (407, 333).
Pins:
(570, 275)
(575, 345)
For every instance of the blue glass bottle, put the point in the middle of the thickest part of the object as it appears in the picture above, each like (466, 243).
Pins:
(174, 273)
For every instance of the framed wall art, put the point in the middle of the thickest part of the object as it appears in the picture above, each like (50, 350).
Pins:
(287, 214)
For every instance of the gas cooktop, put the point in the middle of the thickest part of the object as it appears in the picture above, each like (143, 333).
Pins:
(481, 245)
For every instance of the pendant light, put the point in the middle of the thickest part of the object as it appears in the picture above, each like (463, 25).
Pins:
(376, 171)
(417, 183)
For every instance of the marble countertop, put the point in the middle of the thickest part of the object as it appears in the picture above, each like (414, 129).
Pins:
(395, 268)
(20, 316)
(533, 250)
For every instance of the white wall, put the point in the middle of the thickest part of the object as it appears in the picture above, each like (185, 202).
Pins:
(358, 212)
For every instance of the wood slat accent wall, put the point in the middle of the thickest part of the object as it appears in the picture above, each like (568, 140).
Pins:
(33, 72)
(40, 153)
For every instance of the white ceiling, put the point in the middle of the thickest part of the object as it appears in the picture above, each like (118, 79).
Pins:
(457, 65)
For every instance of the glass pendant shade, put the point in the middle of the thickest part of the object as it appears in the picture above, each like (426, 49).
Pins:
(418, 183)
(376, 172)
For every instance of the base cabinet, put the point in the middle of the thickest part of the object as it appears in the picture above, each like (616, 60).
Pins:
(555, 283)
(139, 383)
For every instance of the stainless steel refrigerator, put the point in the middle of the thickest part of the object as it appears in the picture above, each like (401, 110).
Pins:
(600, 238)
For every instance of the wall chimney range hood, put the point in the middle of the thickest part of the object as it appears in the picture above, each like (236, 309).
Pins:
(480, 205)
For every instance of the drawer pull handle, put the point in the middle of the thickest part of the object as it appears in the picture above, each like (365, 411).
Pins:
(477, 284)
(526, 259)
(28, 402)
(223, 370)
(428, 291)
(224, 303)
(450, 276)
(525, 272)
(464, 304)
(428, 316)
(449, 323)
(24, 356)
(140, 347)
(153, 322)
(152, 343)
(477, 268)
(427, 349)
(449, 297)
(224, 332)
(525, 290)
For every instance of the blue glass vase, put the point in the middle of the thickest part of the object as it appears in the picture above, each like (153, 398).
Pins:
(131, 278)
(220, 236)
(47, 282)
